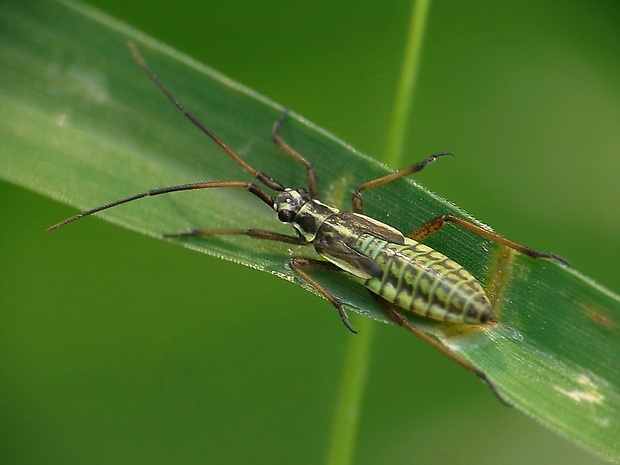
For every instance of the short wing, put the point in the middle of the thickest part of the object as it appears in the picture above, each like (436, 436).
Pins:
(347, 258)
(336, 238)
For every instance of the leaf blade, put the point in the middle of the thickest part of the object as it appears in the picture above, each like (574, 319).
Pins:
(87, 129)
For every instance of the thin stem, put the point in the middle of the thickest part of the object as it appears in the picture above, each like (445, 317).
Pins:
(350, 396)
(406, 84)
(347, 414)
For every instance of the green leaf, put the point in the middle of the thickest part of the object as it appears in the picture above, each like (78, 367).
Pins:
(83, 125)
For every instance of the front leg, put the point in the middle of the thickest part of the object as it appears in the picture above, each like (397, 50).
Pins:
(254, 233)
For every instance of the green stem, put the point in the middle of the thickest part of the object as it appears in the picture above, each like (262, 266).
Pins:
(406, 84)
(348, 406)
(347, 414)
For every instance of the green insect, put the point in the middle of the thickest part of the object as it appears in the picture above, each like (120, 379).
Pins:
(404, 274)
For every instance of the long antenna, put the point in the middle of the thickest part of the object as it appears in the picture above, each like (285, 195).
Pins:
(253, 188)
(259, 175)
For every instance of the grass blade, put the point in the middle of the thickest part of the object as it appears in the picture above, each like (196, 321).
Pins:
(86, 128)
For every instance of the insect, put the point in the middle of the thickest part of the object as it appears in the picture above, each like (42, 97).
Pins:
(400, 271)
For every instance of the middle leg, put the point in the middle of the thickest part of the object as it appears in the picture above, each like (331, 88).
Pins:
(297, 264)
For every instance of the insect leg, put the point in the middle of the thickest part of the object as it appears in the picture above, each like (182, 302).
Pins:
(357, 193)
(402, 320)
(313, 186)
(298, 265)
(254, 233)
(436, 224)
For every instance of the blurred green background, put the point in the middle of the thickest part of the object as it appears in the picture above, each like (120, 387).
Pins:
(116, 348)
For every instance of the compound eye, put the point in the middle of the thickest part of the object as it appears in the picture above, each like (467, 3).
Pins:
(286, 216)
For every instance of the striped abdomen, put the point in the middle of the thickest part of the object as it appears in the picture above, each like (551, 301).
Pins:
(424, 281)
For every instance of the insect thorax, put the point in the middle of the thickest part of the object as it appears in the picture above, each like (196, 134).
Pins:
(305, 214)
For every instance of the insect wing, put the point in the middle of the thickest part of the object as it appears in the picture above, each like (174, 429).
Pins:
(337, 238)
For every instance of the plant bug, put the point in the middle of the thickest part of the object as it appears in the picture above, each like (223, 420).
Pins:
(402, 273)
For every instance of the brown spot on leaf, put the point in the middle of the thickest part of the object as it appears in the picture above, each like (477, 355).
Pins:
(600, 316)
